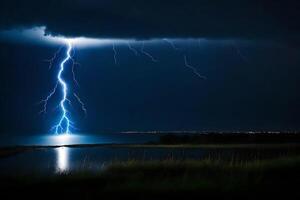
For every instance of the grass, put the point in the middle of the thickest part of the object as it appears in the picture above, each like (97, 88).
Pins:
(187, 175)
(170, 178)
(250, 171)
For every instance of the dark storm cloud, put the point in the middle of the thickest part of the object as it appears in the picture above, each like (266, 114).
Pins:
(156, 19)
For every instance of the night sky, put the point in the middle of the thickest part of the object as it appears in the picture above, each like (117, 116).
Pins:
(248, 50)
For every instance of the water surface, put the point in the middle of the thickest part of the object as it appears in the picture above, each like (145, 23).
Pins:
(47, 161)
(51, 139)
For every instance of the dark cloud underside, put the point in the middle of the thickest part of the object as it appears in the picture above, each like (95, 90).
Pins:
(155, 19)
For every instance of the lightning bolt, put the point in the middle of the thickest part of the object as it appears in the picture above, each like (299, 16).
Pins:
(115, 53)
(195, 71)
(147, 54)
(81, 103)
(132, 49)
(74, 64)
(64, 124)
(51, 60)
(45, 101)
(171, 44)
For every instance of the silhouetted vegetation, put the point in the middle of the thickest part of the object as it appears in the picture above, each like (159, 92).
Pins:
(233, 166)
(166, 179)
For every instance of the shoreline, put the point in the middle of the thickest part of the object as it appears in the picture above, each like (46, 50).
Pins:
(116, 145)
(13, 150)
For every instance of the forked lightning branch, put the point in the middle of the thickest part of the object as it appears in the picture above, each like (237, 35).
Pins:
(64, 124)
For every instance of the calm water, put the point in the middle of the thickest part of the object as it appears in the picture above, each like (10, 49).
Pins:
(112, 138)
(47, 161)
(55, 160)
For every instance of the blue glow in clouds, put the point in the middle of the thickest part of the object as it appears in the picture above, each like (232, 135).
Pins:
(37, 35)
(64, 124)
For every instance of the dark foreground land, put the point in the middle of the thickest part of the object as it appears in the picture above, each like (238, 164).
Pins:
(166, 179)
(214, 177)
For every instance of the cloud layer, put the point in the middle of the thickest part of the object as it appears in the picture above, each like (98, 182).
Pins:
(156, 19)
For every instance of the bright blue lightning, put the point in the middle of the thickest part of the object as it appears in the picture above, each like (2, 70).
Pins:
(45, 101)
(64, 124)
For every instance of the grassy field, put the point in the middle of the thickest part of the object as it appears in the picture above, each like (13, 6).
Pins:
(245, 169)
(167, 179)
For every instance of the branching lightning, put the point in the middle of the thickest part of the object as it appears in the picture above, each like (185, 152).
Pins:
(81, 103)
(64, 124)
(51, 60)
(115, 53)
(171, 44)
(45, 101)
(195, 71)
(74, 64)
(132, 49)
(147, 54)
